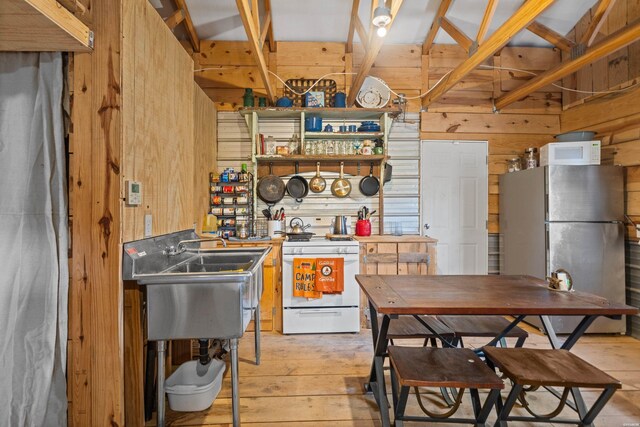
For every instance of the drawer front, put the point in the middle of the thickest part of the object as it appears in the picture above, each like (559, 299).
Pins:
(320, 320)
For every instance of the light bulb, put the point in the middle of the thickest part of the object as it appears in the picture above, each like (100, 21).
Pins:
(382, 31)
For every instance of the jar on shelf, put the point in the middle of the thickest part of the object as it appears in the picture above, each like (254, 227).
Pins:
(514, 165)
(242, 230)
(530, 158)
(294, 144)
(270, 145)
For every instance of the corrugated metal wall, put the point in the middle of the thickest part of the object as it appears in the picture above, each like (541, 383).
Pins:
(402, 194)
(633, 286)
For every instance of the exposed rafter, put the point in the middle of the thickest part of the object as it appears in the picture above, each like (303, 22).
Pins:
(456, 33)
(362, 33)
(176, 18)
(272, 42)
(370, 54)
(604, 47)
(188, 23)
(253, 35)
(266, 24)
(352, 26)
(435, 26)
(556, 39)
(598, 18)
(486, 20)
(518, 21)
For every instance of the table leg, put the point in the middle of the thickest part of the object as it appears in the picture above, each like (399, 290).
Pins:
(377, 381)
(162, 345)
(235, 397)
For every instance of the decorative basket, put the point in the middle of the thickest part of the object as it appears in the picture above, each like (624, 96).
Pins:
(327, 86)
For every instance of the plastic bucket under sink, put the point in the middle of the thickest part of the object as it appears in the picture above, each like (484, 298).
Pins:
(194, 388)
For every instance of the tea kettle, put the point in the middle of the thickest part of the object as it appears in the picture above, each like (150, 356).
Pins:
(339, 224)
(560, 280)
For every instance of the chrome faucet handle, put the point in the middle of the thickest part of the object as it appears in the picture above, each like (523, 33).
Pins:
(172, 250)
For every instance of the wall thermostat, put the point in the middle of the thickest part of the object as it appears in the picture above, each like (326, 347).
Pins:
(134, 193)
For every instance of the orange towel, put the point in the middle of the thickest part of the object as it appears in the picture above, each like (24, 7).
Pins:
(330, 275)
(304, 278)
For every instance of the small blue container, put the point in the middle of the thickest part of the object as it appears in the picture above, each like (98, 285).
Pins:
(313, 123)
(284, 102)
(340, 100)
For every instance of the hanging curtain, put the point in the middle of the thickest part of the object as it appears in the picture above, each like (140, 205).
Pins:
(33, 241)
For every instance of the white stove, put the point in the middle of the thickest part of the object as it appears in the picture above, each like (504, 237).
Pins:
(332, 312)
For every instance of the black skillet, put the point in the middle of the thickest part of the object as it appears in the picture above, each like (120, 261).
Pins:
(271, 187)
(298, 187)
(369, 185)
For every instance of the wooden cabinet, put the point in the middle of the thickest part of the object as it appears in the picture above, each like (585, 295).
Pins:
(398, 255)
(271, 280)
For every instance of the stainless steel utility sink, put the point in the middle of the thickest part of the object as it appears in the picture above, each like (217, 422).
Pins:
(196, 293)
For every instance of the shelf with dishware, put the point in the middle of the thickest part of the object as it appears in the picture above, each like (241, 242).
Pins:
(329, 139)
(344, 135)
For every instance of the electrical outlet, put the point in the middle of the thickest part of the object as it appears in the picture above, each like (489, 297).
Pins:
(148, 225)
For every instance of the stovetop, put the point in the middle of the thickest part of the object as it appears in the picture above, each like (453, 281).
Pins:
(321, 241)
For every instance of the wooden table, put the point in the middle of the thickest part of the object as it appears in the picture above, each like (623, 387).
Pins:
(516, 296)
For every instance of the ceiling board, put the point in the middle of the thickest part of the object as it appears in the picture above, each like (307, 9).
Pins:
(328, 20)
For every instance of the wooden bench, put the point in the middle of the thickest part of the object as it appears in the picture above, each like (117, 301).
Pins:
(408, 327)
(482, 326)
(549, 368)
(444, 368)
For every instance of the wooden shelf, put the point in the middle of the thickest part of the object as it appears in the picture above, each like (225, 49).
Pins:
(41, 25)
(325, 158)
(328, 113)
(343, 135)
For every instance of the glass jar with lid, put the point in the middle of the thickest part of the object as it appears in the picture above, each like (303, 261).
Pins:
(294, 144)
(530, 158)
(242, 230)
(514, 164)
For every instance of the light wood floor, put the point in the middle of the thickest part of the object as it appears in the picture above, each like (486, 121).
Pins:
(316, 380)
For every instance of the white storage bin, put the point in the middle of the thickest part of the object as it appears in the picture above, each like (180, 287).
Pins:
(194, 388)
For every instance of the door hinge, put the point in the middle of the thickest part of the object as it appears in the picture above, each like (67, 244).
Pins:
(487, 159)
(274, 262)
(273, 311)
(486, 224)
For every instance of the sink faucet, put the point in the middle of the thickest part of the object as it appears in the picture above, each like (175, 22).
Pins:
(182, 247)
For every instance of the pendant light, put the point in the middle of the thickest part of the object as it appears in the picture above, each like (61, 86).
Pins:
(381, 18)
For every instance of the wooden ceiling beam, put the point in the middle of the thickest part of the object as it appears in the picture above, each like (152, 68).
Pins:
(370, 55)
(456, 33)
(256, 49)
(176, 18)
(364, 37)
(518, 21)
(435, 26)
(486, 20)
(604, 47)
(352, 26)
(272, 42)
(266, 24)
(597, 20)
(556, 39)
(188, 23)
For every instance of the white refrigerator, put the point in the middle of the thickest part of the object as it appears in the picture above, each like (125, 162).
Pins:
(571, 218)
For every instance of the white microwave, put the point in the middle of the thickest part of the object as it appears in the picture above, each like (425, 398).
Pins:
(570, 153)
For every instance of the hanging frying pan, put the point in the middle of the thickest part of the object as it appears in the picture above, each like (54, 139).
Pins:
(369, 185)
(271, 187)
(298, 187)
(317, 183)
(341, 187)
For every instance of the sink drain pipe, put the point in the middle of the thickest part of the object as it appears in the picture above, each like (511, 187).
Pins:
(203, 353)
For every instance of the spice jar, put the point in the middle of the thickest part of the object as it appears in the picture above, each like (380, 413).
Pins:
(242, 230)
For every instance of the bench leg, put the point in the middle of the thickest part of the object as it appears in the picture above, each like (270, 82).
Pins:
(483, 414)
(587, 420)
(402, 404)
(508, 405)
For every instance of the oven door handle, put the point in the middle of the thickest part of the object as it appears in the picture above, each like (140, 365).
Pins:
(312, 311)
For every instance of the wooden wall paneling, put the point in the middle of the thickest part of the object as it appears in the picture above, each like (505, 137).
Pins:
(601, 110)
(391, 55)
(618, 61)
(222, 53)
(311, 54)
(205, 149)
(489, 123)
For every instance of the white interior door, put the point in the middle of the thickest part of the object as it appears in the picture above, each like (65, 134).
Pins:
(454, 203)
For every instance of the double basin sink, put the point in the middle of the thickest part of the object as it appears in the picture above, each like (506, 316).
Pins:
(194, 292)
